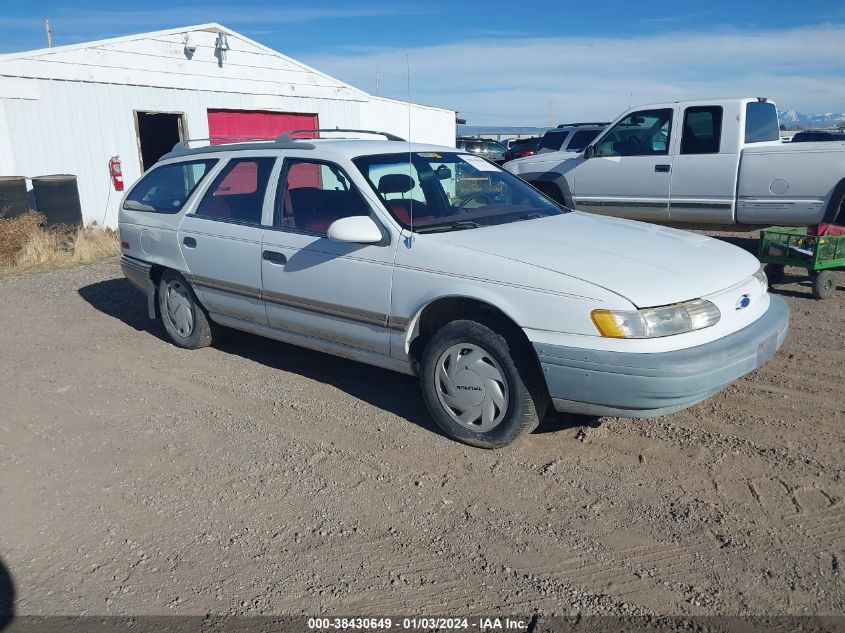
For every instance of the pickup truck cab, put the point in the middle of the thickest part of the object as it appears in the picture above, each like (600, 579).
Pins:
(701, 162)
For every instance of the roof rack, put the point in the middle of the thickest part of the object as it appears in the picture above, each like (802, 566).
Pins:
(283, 141)
(287, 136)
(605, 123)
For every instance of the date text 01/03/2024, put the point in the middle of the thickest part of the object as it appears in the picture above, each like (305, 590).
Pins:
(418, 623)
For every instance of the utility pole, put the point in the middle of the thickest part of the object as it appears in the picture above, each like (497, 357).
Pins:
(49, 33)
(378, 80)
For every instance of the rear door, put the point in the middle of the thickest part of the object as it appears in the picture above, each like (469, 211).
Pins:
(704, 169)
(630, 174)
(221, 239)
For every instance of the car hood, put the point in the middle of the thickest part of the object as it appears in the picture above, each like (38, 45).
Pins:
(647, 264)
(529, 164)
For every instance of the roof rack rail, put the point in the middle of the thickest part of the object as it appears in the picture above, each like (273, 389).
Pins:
(183, 147)
(287, 136)
(605, 123)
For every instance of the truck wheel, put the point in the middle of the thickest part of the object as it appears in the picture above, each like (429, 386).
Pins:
(824, 284)
(774, 273)
(183, 316)
(473, 388)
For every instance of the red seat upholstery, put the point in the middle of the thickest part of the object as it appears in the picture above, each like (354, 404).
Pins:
(402, 210)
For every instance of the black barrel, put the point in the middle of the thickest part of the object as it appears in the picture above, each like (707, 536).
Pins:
(57, 197)
(13, 199)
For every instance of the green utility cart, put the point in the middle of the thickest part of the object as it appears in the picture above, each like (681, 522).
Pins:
(819, 249)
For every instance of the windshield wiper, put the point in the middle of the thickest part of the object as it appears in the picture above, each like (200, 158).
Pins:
(452, 226)
(531, 216)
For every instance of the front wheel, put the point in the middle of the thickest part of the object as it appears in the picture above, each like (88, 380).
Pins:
(473, 388)
(183, 317)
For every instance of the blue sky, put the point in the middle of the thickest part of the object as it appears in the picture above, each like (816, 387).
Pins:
(507, 62)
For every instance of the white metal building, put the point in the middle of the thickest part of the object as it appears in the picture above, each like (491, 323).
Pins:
(71, 109)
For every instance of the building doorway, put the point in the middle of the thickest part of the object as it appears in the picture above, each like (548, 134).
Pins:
(158, 132)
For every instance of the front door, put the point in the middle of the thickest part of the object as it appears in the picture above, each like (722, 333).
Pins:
(317, 287)
(221, 240)
(629, 173)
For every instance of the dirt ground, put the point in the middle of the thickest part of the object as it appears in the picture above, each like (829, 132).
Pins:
(260, 478)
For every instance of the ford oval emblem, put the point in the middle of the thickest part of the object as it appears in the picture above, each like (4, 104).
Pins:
(743, 302)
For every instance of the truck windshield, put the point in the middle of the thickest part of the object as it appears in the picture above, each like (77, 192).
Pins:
(761, 122)
(435, 192)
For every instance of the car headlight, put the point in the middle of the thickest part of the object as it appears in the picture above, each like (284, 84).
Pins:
(760, 276)
(656, 322)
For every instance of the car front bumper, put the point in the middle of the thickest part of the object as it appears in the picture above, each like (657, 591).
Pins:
(637, 385)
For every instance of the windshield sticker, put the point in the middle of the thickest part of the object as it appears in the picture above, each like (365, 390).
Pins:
(429, 155)
(479, 163)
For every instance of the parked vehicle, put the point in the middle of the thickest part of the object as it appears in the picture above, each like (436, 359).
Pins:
(434, 262)
(570, 137)
(522, 147)
(701, 162)
(489, 149)
(817, 136)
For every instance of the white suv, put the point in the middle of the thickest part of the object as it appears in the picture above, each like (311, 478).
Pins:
(434, 262)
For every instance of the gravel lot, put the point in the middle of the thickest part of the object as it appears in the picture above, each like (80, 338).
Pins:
(259, 478)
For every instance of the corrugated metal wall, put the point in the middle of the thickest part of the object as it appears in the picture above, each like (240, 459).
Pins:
(50, 126)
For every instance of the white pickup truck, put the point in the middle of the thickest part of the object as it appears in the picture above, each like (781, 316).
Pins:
(702, 162)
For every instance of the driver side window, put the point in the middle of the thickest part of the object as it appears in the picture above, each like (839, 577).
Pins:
(643, 133)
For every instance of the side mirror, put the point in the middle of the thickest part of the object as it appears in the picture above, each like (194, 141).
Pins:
(357, 229)
(589, 151)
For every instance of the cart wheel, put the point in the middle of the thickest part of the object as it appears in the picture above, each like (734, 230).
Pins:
(774, 273)
(823, 284)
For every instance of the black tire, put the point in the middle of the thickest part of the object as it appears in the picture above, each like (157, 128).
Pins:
(824, 284)
(193, 331)
(525, 399)
(774, 273)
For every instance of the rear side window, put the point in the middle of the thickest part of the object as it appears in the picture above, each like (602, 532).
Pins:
(761, 122)
(166, 189)
(702, 130)
(581, 139)
(238, 191)
(553, 140)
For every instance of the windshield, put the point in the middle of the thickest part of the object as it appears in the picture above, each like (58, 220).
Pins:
(450, 191)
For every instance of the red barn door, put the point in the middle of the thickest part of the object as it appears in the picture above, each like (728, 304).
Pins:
(255, 124)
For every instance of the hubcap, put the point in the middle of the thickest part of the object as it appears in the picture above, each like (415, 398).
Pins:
(471, 387)
(179, 308)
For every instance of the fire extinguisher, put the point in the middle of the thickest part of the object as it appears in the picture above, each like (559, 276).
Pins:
(116, 173)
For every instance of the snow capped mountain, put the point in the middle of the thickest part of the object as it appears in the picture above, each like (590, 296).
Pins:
(792, 118)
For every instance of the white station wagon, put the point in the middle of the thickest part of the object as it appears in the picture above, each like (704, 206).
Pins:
(434, 262)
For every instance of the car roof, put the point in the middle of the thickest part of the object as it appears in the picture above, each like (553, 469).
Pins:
(346, 148)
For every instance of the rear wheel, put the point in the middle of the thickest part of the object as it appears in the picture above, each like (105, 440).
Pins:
(183, 316)
(824, 284)
(474, 389)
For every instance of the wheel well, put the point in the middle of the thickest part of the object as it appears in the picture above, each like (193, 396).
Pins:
(551, 190)
(836, 206)
(443, 311)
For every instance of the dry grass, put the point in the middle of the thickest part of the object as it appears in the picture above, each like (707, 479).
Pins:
(27, 245)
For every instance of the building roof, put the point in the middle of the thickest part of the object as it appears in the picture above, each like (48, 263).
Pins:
(163, 59)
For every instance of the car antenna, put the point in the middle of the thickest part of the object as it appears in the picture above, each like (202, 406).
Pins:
(410, 162)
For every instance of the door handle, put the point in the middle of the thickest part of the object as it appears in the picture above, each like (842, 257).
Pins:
(274, 258)
(663, 168)
(189, 242)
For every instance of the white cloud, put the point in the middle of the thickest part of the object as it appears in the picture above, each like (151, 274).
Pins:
(510, 81)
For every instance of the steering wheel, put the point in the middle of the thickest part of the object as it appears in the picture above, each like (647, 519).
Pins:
(467, 200)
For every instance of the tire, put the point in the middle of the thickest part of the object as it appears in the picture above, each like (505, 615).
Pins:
(774, 273)
(182, 315)
(824, 284)
(498, 398)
